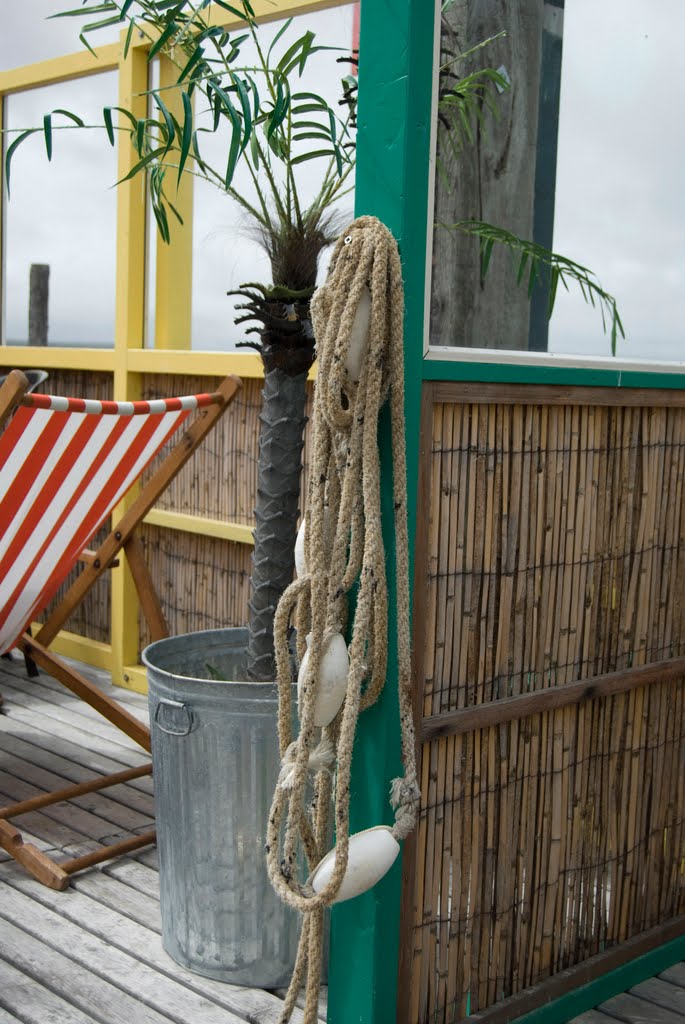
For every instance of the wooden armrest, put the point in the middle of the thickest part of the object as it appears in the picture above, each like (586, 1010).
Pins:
(88, 557)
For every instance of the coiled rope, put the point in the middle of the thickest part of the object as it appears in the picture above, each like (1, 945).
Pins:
(343, 550)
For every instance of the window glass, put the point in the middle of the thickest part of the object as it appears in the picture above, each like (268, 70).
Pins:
(620, 203)
(62, 214)
(30, 34)
(582, 155)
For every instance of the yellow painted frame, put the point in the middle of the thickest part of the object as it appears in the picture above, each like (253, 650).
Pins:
(128, 360)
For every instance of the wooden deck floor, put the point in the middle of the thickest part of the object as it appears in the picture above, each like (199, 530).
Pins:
(92, 953)
(657, 1001)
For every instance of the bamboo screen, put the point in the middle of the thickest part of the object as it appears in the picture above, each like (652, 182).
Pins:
(550, 551)
(203, 583)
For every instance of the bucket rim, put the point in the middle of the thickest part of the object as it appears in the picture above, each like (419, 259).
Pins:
(178, 638)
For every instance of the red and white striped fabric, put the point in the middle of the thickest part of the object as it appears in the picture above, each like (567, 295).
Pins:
(64, 465)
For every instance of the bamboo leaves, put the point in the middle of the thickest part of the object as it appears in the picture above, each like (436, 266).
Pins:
(530, 259)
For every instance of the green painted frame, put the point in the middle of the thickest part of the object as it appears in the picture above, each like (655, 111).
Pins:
(392, 183)
(393, 149)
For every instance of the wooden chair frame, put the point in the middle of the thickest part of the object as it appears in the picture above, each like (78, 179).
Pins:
(122, 538)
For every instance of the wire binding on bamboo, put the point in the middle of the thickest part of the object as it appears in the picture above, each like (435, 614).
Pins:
(555, 544)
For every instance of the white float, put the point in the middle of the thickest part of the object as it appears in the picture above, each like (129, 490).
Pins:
(300, 560)
(359, 334)
(332, 682)
(371, 855)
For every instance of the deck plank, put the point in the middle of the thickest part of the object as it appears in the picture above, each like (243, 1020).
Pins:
(57, 711)
(112, 803)
(91, 956)
(22, 998)
(633, 1010)
(662, 993)
(593, 1017)
(99, 886)
(675, 975)
(80, 986)
(144, 943)
(93, 824)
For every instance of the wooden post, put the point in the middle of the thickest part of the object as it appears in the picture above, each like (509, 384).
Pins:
(505, 177)
(392, 184)
(39, 288)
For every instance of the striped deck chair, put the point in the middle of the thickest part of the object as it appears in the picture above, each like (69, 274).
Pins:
(64, 465)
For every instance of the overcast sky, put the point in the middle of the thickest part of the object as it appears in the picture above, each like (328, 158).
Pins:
(620, 204)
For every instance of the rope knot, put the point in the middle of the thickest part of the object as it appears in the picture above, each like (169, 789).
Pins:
(320, 759)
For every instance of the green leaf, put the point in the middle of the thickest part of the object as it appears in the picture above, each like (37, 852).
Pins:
(297, 54)
(553, 284)
(234, 10)
(196, 151)
(148, 158)
(338, 160)
(313, 156)
(171, 29)
(246, 108)
(72, 117)
(187, 136)
(78, 12)
(87, 45)
(129, 36)
(139, 140)
(109, 127)
(171, 132)
(282, 29)
(195, 57)
(162, 222)
(301, 136)
(107, 115)
(521, 267)
(486, 255)
(255, 97)
(47, 131)
(280, 110)
(105, 23)
(11, 150)
(254, 151)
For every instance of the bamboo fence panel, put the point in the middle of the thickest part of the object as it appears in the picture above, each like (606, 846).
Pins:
(554, 547)
(202, 582)
(220, 481)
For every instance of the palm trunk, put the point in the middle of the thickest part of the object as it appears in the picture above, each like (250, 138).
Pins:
(278, 493)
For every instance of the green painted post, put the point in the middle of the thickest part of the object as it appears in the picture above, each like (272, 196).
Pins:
(395, 86)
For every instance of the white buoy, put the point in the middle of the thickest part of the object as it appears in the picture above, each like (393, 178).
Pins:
(359, 335)
(300, 560)
(332, 682)
(371, 855)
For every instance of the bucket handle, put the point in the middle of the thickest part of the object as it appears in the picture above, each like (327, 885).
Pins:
(164, 701)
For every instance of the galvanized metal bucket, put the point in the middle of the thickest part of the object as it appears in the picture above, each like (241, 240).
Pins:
(215, 761)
